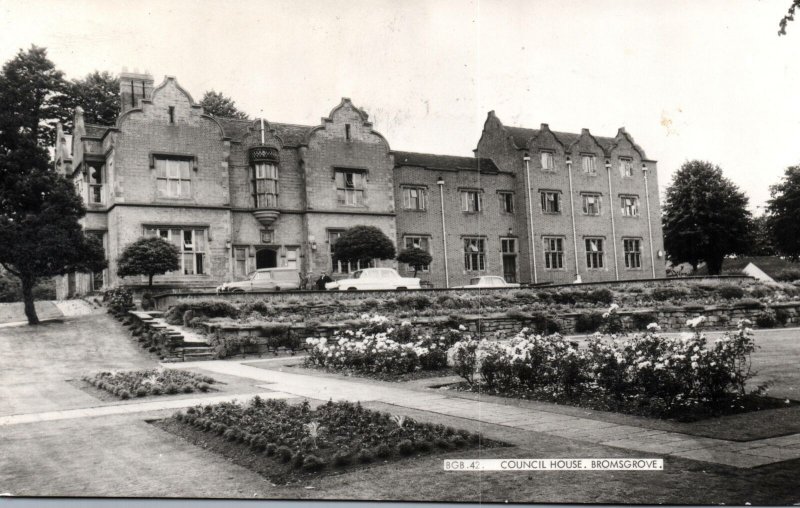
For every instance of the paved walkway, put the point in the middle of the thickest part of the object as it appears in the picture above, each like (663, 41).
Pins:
(289, 384)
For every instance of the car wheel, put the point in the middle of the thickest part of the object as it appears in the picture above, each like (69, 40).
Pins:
(402, 288)
(351, 289)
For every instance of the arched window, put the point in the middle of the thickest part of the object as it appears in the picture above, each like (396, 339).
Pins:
(265, 183)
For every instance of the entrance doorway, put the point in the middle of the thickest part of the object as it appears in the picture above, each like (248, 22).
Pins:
(509, 249)
(266, 258)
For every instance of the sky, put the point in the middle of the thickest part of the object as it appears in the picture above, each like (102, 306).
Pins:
(707, 79)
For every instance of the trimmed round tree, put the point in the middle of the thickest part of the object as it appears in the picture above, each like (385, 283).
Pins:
(363, 244)
(149, 256)
(415, 258)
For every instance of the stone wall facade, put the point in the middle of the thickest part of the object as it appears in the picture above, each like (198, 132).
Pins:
(167, 168)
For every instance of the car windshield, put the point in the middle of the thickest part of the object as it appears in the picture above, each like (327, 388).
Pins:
(262, 276)
(357, 274)
(475, 280)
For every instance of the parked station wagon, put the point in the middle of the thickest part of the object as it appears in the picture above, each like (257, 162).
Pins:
(265, 279)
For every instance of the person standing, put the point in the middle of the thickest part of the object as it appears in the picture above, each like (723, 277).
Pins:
(324, 279)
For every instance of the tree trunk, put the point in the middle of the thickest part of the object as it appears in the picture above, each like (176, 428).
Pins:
(27, 297)
(150, 281)
(714, 265)
(415, 272)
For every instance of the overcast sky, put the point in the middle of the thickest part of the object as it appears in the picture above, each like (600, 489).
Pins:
(688, 79)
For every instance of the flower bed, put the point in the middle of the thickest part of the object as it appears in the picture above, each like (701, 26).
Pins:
(649, 374)
(380, 349)
(300, 441)
(141, 383)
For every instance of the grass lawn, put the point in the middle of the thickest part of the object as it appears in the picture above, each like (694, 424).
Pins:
(15, 311)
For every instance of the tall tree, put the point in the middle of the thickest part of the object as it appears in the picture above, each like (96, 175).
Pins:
(788, 17)
(148, 256)
(97, 93)
(783, 211)
(363, 243)
(31, 91)
(705, 217)
(219, 105)
(40, 233)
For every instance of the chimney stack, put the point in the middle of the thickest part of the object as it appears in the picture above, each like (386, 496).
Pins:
(133, 87)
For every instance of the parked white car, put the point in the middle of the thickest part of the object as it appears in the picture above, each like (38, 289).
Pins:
(374, 278)
(488, 281)
(265, 279)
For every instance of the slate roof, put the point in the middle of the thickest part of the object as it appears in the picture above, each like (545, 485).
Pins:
(291, 134)
(445, 162)
(521, 136)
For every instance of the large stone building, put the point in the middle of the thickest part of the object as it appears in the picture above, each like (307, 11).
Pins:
(237, 195)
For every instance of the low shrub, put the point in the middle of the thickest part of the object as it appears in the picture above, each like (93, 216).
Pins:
(544, 324)
(313, 463)
(730, 292)
(119, 301)
(201, 308)
(766, 319)
(640, 320)
(588, 322)
(600, 296)
(149, 382)
(781, 316)
(663, 294)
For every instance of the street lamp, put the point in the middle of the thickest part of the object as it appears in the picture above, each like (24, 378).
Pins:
(440, 183)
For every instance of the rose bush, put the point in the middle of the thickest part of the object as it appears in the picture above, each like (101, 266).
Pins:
(380, 347)
(651, 369)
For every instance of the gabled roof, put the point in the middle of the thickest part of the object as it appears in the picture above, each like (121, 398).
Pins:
(445, 162)
(290, 134)
(521, 136)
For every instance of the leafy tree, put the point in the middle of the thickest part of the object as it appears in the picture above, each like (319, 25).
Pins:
(149, 256)
(415, 258)
(40, 235)
(788, 17)
(762, 238)
(705, 217)
(31, 95)
(97, 94)
(363, 243)
(783, 211)
(221, 106)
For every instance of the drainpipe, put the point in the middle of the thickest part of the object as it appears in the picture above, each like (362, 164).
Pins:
(532, 257)
(649, 226)
(613, 226)
(572, 215)
(440, 183)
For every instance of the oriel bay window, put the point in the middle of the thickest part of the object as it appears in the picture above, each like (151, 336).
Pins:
(594, 253)
(474, 254)
(349, 187)
(173, 177)
(265, 185)
(191, 243)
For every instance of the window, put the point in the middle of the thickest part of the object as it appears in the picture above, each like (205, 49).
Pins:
(471, 201)
(474, 254)
(339, 266)
(347, 131)
(591, 204)
(633, 252)
(551, 202)
(630, 206)
(172, 114)
(414, 198)
(418, 242)
(291, 257)
(553, 253)
(349, 188)
(173, 177)
(506, 202)
(588, 163)
(95, 185)
(192, 246)
(265, 184)
(594, 253)
(626, 167)
(548, 161)
(508, 245)
(240, 261)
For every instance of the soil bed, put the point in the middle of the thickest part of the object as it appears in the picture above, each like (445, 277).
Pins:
(141, 383)
(638, 407)
(294, 443)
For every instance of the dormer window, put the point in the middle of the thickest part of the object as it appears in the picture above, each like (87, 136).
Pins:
(265, 183)
(626, 168)
(589, 164)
